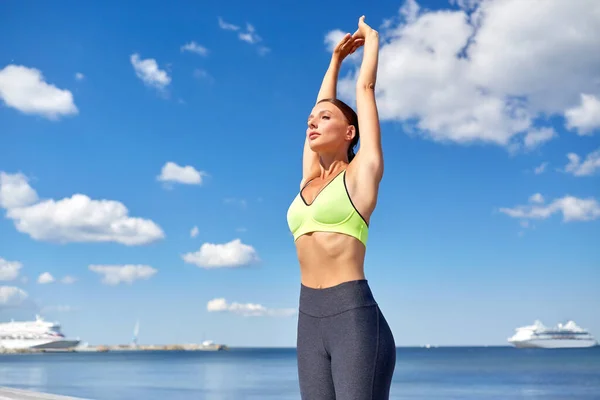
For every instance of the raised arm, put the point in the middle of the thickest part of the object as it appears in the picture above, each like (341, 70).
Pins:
(347, 45)
(370, 155)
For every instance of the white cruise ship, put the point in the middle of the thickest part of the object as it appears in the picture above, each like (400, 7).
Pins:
(537, 335)
(38, 334)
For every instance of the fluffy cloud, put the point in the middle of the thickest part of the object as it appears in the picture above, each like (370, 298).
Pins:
(231, 254)
(149, 72)
(12, 296)
(26, 90)
(116, 274)
(247, 309)
(586, 168)
(9, 270)
(45, 278)
(15, 191)
(571, 208)
(171, 172)
(488, 75)
(584, 118)
(74, 219)
(194, 232)
(194, 47)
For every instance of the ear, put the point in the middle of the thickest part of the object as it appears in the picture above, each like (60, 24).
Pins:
(350, 132)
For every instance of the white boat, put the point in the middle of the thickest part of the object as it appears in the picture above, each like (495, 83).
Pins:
(537, 335)
(38, 334)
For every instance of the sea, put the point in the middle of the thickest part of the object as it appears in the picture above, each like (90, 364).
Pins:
(447, 373)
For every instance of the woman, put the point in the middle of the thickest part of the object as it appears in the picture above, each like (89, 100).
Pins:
(346, 349)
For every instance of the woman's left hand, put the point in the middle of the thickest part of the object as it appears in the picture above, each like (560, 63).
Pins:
(347, 46)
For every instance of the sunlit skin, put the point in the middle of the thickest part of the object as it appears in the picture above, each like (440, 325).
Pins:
(327, 259)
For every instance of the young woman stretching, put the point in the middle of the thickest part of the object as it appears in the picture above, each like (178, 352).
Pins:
(346, 350)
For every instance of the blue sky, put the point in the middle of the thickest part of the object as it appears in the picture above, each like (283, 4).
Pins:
(488, 216)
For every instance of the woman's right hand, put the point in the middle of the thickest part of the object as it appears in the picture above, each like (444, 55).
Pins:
(363, 29)
(347, 45)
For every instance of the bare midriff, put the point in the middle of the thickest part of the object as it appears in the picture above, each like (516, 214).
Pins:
(328, 259)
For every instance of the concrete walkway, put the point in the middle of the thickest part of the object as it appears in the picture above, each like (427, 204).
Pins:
(19, 394)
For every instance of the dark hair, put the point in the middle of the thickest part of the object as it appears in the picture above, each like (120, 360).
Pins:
(352, 119)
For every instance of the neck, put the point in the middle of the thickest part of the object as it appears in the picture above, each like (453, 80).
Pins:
(332, 163)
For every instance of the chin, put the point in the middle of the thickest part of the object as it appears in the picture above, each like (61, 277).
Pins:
(318, 145)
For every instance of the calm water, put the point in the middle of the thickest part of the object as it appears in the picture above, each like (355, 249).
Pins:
(442, 373)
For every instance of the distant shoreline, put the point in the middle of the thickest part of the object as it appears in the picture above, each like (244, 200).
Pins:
(217, 347)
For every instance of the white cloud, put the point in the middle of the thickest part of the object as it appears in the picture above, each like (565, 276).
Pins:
(44, 278)
(194, 47)
(572, 209)
(67, 280)
(231, 254)
(9, 270)
(79, 76)
(171, 172)
(15, 191)
(116, 274)
(26, 90)
(536, 198)
(249, 36)
(74, 219)
(586, 168)
(486, 77)
(227, 26)
(535, 137)
(585, 118)
(194, 232)
(12, 296)
(541, 168)
(247, 309)
(149, 72)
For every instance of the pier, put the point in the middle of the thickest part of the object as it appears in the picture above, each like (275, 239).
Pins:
(118, 348)
(7, 393)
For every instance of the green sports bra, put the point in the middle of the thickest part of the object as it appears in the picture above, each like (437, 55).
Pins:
(331, 211)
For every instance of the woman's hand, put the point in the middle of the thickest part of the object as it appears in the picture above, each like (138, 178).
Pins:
(363, 30)
(347, 46)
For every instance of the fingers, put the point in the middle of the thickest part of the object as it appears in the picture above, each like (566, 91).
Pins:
(356, 44)
(345, 39)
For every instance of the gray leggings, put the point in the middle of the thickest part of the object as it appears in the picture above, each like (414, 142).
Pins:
(346, 350)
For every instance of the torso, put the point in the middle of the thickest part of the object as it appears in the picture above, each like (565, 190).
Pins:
(329, 258)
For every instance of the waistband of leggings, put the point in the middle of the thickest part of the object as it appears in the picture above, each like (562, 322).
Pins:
(335, 299)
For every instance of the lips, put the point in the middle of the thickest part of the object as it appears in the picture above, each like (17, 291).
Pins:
(313, 135)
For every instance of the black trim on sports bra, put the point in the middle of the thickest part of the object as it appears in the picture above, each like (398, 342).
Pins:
(351, 202)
